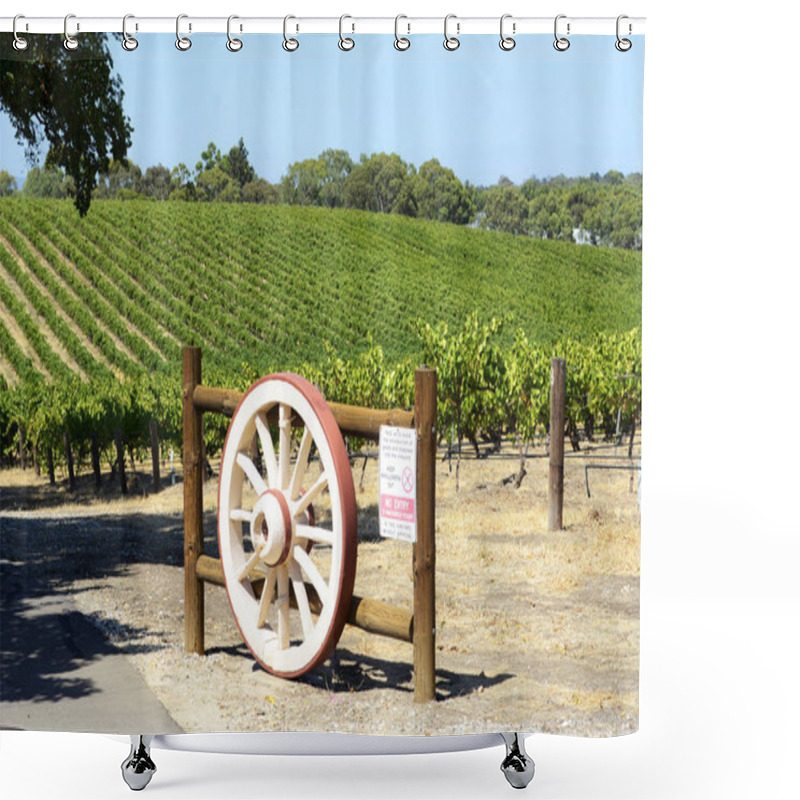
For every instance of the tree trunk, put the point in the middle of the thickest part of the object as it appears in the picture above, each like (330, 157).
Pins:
(22, 461)
(36, 467)
(51, 467)
(95, 451)
(70, 465)
(521, 472)
(154, 453)
(123, 485)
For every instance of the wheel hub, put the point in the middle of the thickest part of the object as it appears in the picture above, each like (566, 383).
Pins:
(271, 528)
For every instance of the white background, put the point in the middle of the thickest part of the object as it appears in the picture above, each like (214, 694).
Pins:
(719, 621)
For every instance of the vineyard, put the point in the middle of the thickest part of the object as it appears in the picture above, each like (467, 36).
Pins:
(94, 312)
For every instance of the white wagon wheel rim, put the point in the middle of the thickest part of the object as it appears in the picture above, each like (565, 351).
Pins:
(266, 522)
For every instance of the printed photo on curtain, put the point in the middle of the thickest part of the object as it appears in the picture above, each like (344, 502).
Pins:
(320, 382)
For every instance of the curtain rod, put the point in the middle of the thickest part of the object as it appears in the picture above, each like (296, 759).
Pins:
(408, 25)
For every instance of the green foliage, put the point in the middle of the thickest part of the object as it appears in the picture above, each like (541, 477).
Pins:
(8, 183)
(49, 182)
(71, 100)
(440, 195)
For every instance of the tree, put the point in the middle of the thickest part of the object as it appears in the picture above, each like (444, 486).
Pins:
(440, 195)
(209, 158)
(120, 176)
(183, 187)
(238, 166)
(260, 191)
(49, 182)
(156, 183)
(8, 183)
(505, 210)
(215, 185)
(380, 182)
(302, 183)
(71, 100)
(336, 166)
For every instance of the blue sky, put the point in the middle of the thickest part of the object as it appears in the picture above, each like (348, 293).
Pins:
(479, 110)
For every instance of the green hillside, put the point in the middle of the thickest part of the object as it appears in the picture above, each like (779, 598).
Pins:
(124, 288)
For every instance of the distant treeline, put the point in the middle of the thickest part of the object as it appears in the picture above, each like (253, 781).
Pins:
(602, 210)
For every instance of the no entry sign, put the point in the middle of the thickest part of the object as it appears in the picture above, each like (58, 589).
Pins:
(397, 463)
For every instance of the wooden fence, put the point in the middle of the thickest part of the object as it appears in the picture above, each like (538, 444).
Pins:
(417, 626)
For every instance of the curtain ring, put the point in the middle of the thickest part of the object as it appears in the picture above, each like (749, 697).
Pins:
(20, 44)
(70, 42)
(623, 45)
(561, 44)
(506, 42)
(400, 42)
(233, 44)
(183, 43)
(451, 42)
(128, 42)
(345, 42)
(290, 45)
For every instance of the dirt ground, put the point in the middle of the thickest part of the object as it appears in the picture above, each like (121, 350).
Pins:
(536, 631)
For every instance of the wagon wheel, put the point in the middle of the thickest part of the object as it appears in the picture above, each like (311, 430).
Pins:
(290, 600)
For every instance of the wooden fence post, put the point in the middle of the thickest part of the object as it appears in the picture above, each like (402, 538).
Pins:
(193, 466)
(555, 493)
(154, 454)
(424, 550)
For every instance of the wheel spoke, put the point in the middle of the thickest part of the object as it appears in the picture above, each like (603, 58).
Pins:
(267, 448)
(310, 568)
(248, 568)
(285, 446)
(253, 475)
(321, 535)
(266, 598)
(308, 498)
(241, 515)
(301, 465)
(302, 599)
(282, 603)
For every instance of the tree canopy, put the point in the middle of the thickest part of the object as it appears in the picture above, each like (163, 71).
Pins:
(71, 100)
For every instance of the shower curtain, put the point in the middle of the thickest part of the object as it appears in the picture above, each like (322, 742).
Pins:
(316, 217)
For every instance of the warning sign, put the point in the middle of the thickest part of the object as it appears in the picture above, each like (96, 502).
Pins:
(397, 463)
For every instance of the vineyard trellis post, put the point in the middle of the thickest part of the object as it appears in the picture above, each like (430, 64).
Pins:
(555, 493)
(373, 616)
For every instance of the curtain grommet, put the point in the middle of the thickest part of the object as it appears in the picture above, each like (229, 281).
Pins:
(561, 43)
(289, 44)
(623, 45)
(345, 42)
(128, 42)
(451, 43)
(233, 44)
(183, 43)
(19, 44)
(507, 43)
(70, 42)
(401, 43)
